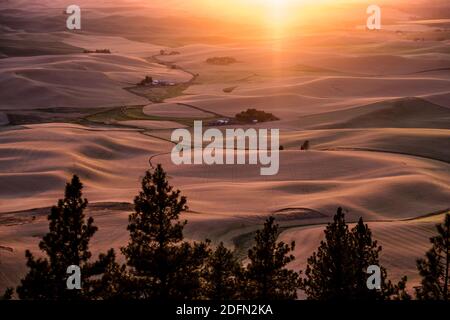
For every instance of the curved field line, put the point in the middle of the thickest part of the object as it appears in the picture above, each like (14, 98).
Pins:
(200, 109)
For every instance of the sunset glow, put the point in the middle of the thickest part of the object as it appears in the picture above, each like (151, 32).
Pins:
(281, 18)
(174, 152)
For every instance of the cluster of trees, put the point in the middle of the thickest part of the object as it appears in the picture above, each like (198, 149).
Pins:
(160, 264)
(253, 115)
(168, 52)
(107, 51)
(223, 61)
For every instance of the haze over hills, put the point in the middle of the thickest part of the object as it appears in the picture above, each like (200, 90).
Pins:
(374, 106)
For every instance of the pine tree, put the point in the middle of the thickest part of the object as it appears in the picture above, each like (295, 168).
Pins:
(66, 244)
(223, 275)
(112, 281)
(162, 265)
(186, 280)
(266, 274)
(338, 271)
(366, 253)
(434, 269)
(330, 272)
(7, 294)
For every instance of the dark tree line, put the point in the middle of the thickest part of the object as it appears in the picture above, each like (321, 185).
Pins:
(160, 264)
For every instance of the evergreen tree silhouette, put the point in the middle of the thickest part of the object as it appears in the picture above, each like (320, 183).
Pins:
(266, 275)
(223, 275)
(7, 295)
(434, 269)
(66, 244)
(338, 270)
(330, 272)
(115, 281)
(162, 265)
(366, 253)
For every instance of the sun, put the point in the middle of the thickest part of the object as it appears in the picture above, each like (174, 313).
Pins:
(277, 13)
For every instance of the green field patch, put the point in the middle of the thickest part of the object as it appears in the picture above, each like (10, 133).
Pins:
(160, 93)
(112, 116)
